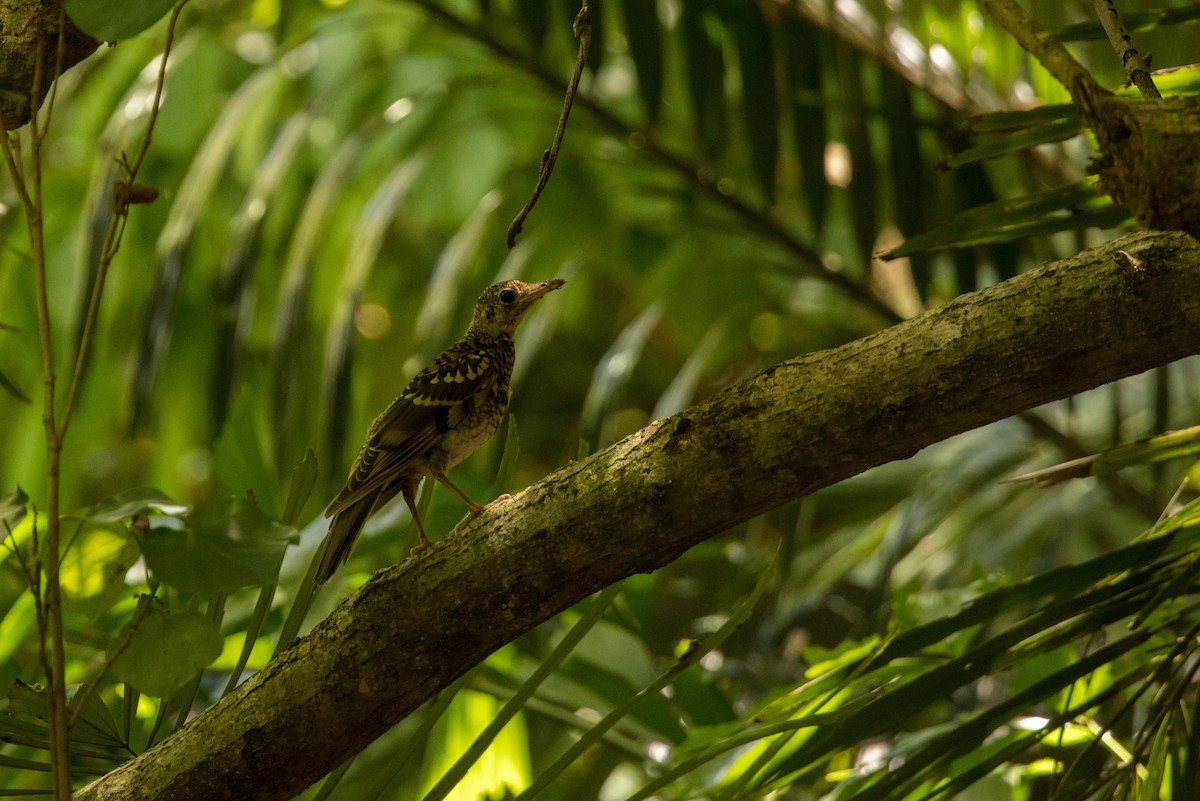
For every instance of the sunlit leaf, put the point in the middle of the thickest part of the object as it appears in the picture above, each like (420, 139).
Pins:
(134, 503)
(162, 651)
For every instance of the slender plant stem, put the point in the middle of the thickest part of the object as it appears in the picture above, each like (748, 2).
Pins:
(116, 227)
(47, 591)
(44, 579)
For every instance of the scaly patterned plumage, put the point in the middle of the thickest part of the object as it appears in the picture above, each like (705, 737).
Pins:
(444, 414)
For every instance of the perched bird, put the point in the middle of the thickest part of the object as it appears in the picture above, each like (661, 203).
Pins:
(444, 414)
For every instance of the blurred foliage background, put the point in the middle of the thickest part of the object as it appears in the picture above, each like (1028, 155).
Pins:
(336, 180)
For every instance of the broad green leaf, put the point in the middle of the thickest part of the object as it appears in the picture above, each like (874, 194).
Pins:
(114, 20)
(134, 503)
(227, 544)
(162, 651)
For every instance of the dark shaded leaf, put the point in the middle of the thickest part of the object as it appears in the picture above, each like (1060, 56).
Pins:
(1012, 142)
(163, 651)
(760, 104)
(95, 721)
(802, 49)
(235, 291)
(643, 29)
(114, 20)
(910, 200)
(227, 544)
(10, 386)
(376, 216)
(204, 176)
(1074, 206)
(1010, 121)
(705, 79)
(24, 721)
(534, 17)
(12, 510)
(240, 461)
(291, 378)
(863, 186)
(1133, 20)
(304, 477)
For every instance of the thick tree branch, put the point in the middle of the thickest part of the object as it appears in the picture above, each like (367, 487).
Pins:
(634, 507)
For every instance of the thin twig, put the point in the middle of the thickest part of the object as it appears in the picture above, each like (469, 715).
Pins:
(116, 226)
(583, 30)
(47, 593)
(1137, 65)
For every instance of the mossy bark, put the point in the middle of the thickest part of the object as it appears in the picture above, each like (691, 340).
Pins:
(29, 32)
(807, 423)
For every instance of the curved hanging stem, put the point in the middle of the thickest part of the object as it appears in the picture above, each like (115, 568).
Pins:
(583, 31)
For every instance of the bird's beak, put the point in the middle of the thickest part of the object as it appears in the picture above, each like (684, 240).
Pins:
(535, 291)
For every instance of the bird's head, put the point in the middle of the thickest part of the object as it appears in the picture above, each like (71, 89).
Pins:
(501, 306)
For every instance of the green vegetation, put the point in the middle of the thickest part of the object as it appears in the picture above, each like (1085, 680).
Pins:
(335, 184)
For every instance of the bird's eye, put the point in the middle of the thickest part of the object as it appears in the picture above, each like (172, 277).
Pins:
(507, 296)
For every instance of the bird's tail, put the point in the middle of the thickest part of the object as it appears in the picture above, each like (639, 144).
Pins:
(344, 531)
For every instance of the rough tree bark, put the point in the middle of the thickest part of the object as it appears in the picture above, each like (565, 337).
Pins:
(804, 424)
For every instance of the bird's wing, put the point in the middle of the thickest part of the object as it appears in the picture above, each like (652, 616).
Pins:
(434, 402)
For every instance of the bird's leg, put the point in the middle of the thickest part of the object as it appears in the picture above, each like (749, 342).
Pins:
(473, 509)
(438, 472)
(410, 497)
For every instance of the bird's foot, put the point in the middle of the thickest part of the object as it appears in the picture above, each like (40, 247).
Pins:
(476, 511)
